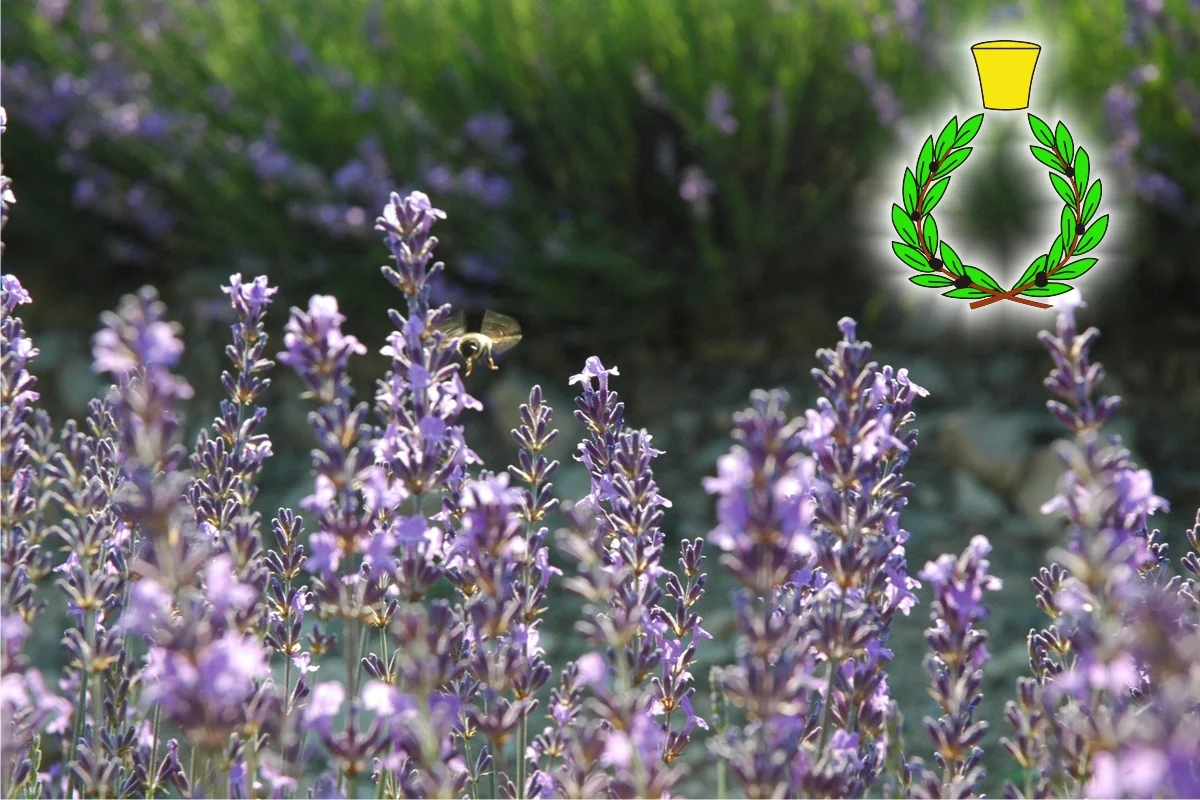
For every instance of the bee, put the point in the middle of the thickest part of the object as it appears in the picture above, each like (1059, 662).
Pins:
(498, 334)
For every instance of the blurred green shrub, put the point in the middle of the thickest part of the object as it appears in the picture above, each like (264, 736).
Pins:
(618, 168)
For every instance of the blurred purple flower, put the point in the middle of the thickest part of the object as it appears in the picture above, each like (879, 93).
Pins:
(489, 129)
(719, 110)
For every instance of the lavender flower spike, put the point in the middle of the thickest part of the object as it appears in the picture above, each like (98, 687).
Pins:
(956, 665)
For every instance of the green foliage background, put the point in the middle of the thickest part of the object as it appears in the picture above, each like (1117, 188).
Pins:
(593, 230)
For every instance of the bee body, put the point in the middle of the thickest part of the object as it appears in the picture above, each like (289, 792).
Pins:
(498, 334)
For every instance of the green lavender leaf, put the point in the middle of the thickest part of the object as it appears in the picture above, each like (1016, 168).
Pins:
(930, 234)
(952, 162)
(1063, 140)
(1036, 266)
(1092, 236)
(1049, 290)
(1075, 269)
(910, 191)
(925, 160)
(931, 281)
(1041, 130)
(935, 194)
(1047, 157)
(912, 257)
(967, 131)
(951, 260)
(1063, 189)
(945, 139)
(1067, 225)
(1083, 167)
(903, 225)
(981, 278)
(1091, 201)
(967, 293)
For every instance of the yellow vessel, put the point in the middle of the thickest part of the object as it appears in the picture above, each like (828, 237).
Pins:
(1005, 73)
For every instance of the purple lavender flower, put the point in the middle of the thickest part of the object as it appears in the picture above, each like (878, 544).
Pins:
(719, 110)
(616, 538)
(318, 350)
(7, 197)
(956, 665)
(696, 188)
(489, 129)
(764, 515)
(1113, 656)
(406, 224)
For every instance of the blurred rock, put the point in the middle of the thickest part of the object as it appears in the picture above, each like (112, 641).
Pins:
(55, 347)
(1006, 372)
(926, 494)
(930, 375)
(993, 447)
(76, 383)
(973, 500)
(1041, 479)
(704, 462)
(687, 423)
(929, 530)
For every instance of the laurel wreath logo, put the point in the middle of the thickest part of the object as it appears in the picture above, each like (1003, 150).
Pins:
(940, 265)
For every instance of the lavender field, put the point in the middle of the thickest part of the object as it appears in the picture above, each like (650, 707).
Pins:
(702, 506)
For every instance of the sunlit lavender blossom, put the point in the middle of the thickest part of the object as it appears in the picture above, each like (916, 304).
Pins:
(956, 666)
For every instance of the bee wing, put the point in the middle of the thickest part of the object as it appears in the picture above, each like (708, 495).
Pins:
(503, 330)
(456, 326)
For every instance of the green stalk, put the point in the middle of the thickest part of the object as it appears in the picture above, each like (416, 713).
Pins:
(191, 773)
(153, 790)
(251, 766)
(471, 769)
(81, 704)
(523, 725)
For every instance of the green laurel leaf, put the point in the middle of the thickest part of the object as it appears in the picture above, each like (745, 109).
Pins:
(1091, 202)
(1033, 269)
(952, 162)
(951, 260)
(966, 293)
(911, 256)
(930, 234)
(1049, 290)
(1063, 140)
(925, 160)
(967, 131)
(945, 139)
(1063, 189)
(931, 281)
(910, 191)
(1075, 269)
(1067, 225)
(1092, 236)
(1083, 167)
(981, 278)
(1041, 130)
(935, 193)
(1054, 258)
(904, 226)
(1047, 157)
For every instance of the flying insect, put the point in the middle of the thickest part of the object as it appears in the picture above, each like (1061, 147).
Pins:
(499, 333)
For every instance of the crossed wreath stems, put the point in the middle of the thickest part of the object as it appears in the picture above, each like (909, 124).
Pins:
(929, 185)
